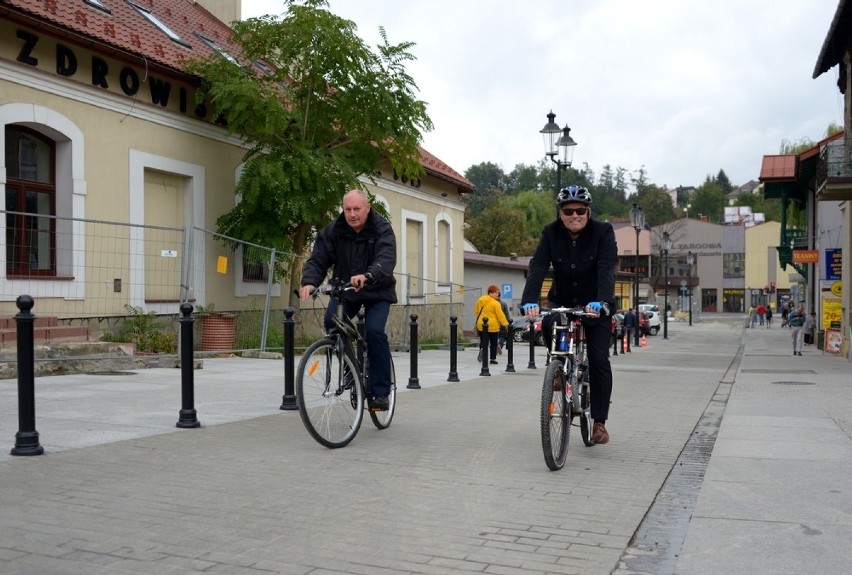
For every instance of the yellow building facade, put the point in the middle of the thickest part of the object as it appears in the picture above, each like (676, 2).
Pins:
(114, 177)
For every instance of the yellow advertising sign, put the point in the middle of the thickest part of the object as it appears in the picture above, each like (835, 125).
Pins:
(836, 289)
(222, 265)
(830, 308)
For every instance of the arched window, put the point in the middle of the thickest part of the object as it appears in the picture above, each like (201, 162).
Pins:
(30, 203)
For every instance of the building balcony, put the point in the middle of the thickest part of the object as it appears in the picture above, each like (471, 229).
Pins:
(834, 171)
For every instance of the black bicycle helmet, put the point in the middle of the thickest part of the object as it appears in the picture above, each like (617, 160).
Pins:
(574, 194)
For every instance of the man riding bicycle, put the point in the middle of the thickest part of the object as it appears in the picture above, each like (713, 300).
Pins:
(361, 247)
(583, 254)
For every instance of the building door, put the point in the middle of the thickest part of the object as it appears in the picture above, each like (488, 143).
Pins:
(709, 300)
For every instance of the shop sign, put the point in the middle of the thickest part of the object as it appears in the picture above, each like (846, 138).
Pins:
(833, 264)
(805, 256)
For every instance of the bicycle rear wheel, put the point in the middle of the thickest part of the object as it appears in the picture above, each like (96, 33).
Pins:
(555, 416)
(329, 394)
(382, 419)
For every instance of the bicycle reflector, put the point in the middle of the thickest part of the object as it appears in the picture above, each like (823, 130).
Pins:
(313, 369)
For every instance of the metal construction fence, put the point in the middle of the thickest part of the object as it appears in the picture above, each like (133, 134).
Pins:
(118, 280)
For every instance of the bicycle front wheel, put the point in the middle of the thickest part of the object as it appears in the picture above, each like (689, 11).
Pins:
(329, 394)
(382, 419)
(555, 416)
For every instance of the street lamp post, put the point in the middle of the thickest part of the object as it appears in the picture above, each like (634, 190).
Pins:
(667, 245)
(559, 147)
(690, 259)
(637, 220)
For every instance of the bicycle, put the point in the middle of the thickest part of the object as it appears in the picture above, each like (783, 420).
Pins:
(565, 393)
(332, 384)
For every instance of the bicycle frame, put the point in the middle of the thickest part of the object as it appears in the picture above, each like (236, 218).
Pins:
(333, 383)
(350, 337)
(568, 333)
(565, 392)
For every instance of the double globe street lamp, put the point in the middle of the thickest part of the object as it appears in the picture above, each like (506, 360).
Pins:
(667, 245)
(558, 146)
(637, 220)
(690, 260)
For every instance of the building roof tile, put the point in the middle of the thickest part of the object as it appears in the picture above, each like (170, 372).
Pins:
(124, 28)
(779, 168)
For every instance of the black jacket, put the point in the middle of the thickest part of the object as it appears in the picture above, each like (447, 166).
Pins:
(372, 250)
(583, 269)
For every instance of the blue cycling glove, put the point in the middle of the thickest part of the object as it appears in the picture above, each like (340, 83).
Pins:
(595, 306)
(528, 306)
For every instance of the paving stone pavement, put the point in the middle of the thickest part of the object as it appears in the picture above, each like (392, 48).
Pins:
(457, 484)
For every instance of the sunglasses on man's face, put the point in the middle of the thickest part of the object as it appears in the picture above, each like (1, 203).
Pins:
(572, 211)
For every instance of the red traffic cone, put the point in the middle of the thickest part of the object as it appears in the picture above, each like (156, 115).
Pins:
(644, 341)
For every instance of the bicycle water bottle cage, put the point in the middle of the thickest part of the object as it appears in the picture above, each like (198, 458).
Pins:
(561, 344)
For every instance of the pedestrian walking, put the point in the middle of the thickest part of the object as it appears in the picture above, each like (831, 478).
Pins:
(768, 317)
(488, 306)
(629, 326)
(503, 334)
(796, 321)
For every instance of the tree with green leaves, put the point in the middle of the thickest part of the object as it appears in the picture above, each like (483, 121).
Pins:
(709, 201)
(500, 230)
(316, 108)
(656, 205)
(538, 209)
(486, 175)
(523, 177)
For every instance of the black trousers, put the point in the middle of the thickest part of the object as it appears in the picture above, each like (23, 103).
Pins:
(600, 371)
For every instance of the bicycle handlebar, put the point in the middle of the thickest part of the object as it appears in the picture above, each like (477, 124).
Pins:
(336, 287)
(576, 311)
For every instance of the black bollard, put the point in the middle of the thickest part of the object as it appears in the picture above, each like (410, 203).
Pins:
(187, 417)
(413, 381)
(510, 366)
(454, 343)
(288, 400)
(531, 364)
(615, 341)
(483, 346)
(26, 440)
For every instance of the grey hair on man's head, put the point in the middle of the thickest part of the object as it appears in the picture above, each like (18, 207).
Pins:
(364, 195)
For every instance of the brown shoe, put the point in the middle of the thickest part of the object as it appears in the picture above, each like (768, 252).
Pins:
(599, 433)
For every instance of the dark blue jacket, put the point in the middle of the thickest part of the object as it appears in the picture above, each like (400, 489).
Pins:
(349, 253)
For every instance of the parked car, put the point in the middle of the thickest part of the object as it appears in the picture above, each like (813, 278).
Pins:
(520, 329)
(653, 321)
(524, 332)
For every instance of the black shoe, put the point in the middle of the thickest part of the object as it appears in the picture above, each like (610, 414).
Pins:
(380, 403)
(800, 353)
(494, 362)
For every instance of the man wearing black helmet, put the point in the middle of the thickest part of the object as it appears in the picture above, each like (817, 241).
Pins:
(583, 255)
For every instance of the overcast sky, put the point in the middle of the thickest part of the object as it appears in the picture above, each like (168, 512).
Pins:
(683, 88)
